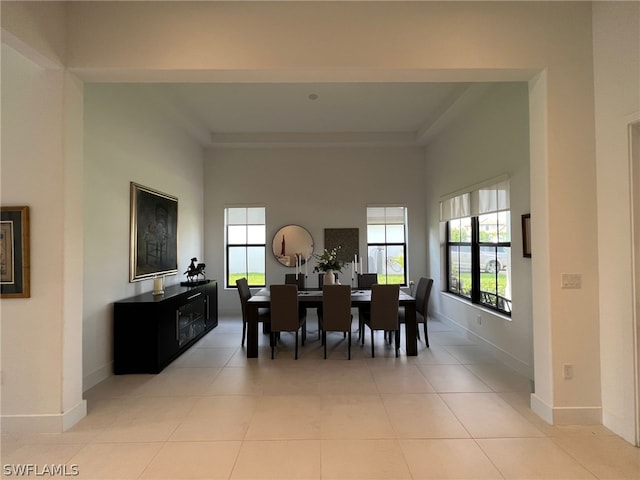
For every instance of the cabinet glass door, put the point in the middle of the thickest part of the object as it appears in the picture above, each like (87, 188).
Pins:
(190, 319)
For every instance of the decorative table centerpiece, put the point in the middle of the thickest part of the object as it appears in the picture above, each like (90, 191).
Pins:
(329, 264)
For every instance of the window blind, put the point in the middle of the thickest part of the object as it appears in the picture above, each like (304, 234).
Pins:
(487, 197)
(455, 207)
(494, 198)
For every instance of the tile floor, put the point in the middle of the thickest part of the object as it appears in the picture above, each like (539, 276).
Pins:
(452, 412)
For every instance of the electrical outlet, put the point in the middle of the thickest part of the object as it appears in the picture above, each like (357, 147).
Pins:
(571, 280)
(567, 371)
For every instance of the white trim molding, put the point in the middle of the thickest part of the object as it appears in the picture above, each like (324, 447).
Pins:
(566, 415)
(45, 423)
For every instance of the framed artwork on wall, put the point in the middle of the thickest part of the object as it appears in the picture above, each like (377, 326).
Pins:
(345, 238)
(526, 235)
(154, 233)
(14, 253)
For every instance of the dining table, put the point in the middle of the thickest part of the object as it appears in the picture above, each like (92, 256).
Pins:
(312, 298)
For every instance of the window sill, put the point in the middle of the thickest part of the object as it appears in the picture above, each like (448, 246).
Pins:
(477, 306)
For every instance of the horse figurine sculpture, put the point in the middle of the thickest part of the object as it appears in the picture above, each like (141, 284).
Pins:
(195, 270)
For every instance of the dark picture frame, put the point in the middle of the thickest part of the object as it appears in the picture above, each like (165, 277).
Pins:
(526, 235)
(345, 238)
(15, 279)
(154, 233)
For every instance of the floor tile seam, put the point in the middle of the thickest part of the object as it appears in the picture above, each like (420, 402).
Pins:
(185, 414)
(425, 378)
(594, 476)
(480, 379)
(454, 415)
(488, 457)
(553, 439)
(495, 394)
(97, 440)
(378, 437)
(280, 440)
(388, 414)
(199, 441)
(404, 453)
(404, 457)
(153, 457)
(221, 394)
(156, 455)
(235, 460)
(451, 351)
(123, 415)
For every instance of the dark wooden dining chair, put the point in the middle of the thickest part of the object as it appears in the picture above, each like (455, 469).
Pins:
(365, 281)
(320, 286)
(290, 279)
(385, 300)
(286, 315)
(423, 292)
(264, 314)
(336, 313)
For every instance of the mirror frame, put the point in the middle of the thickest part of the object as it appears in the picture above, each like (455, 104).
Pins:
(303, 242)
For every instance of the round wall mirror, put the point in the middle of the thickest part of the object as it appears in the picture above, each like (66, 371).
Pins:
(291, 242)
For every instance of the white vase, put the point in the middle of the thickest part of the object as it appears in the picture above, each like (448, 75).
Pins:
(329, 278)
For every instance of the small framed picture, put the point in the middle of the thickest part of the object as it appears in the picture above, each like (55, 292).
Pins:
(14, 253)
(526, 235)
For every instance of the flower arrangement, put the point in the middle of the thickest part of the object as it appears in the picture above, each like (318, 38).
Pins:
(329, 261)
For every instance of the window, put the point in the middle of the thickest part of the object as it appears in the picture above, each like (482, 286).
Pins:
(386, 243)
(459, 254)
(478, 245)
(246, 245)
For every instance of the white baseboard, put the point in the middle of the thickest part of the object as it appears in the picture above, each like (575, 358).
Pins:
(577, 415)
(541, 408)
(514, 363)
(566, 415)
(97, 376)
(45, 423)
(624, 427)
(550, 414)
(74, 415)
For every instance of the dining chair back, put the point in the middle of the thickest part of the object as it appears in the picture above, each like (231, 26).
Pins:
(290, 279)
(245, 294)
(385, 300)
(336, 313)
(423, 292)
(286, 316)
(365, 280)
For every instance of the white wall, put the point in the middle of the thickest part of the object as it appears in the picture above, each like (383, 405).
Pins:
(490, 139)
(39, 171)
(316, 188)
(128, 139)
(617, 81)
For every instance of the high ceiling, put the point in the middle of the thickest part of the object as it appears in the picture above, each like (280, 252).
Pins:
(293, 114)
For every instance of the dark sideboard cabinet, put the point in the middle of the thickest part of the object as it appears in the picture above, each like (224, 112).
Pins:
(150, 331)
